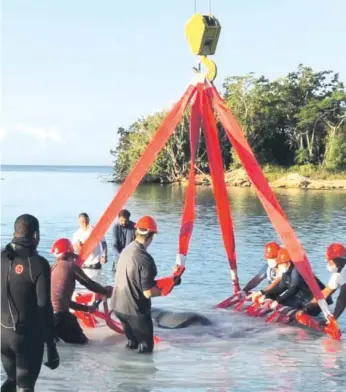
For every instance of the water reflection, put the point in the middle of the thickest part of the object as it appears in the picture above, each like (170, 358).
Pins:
(238, 353)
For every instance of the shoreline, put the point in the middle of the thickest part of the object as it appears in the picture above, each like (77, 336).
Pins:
(238, 178)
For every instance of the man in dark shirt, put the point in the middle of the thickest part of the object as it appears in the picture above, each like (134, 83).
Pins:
(26, 310)
(65, 273)
(135, 286)
(123, 234)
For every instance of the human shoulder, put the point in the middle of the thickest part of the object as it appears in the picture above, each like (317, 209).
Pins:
(343, 276)
(76, 235)
(39, 265)
(42, 261)
(334, 281)
(8, 252)
(132, 225)
(140, 253)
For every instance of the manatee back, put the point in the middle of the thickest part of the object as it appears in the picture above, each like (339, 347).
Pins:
(174, 320)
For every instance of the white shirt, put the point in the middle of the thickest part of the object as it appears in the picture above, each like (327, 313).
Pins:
(337, 279)
(271, 274)
(82, 235)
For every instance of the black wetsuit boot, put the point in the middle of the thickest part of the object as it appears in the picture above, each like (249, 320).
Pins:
(145, 348)
(132, 345)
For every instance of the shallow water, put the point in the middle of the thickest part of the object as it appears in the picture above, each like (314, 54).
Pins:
(237, 353)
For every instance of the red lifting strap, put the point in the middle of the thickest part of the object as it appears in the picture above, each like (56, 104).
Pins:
(219, 186)
(189, 213)
(166, 284)
(137, 173)
(265, 194)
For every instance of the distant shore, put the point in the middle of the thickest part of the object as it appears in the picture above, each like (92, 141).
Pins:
(239, 178)
(314, 179)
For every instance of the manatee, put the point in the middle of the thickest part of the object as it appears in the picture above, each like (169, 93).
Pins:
(174, 320)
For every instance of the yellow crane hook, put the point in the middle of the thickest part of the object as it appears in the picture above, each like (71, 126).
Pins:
(202, 33)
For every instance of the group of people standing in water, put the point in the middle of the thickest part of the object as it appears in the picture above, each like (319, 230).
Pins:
(36, 299)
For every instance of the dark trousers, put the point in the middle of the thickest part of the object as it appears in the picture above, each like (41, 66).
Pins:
(68, 328)
(21, 356)
(139, 331)
(312, 309)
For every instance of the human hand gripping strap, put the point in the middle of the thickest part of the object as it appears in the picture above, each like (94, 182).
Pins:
(166, 284)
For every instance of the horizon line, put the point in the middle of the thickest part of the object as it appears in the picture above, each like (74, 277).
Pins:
(45, 164)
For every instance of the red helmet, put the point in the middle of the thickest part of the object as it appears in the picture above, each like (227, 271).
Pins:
(335, 250)
(146, 225)
(62, 246)
(271, 250)
(283, 256)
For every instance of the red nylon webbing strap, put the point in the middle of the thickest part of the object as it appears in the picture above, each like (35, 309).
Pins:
(137, 173)
(167, 284)
(265, 194)
(220, 191)
(189, 213)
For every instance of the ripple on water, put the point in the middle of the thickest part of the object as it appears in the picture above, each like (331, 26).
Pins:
(237, 353)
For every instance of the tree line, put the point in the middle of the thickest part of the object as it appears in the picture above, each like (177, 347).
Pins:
(299, 119)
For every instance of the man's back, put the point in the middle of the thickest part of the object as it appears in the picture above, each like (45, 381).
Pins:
(63, 285)
(135, 269)
(21, 268)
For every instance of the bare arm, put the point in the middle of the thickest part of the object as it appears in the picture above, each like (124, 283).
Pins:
(327, 292)
(87, 282)
(104, 251)
(153, 292)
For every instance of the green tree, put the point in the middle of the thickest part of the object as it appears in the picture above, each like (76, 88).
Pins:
(296, 119)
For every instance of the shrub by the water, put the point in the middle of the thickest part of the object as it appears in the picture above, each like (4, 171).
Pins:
(298, 120)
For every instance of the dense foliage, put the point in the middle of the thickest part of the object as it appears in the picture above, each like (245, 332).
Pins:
(295, 120)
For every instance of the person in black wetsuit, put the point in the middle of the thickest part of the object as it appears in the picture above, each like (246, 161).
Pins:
(123, 234)
(65, 273)
(292, 290)
(26, 310)
(135, 285)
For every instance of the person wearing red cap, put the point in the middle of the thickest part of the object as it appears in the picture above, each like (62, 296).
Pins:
(65, 273)
(292, 290)
(135, 286)
(271, 251)
(336, 261)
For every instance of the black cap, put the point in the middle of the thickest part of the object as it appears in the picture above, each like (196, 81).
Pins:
(124, 214)
(26, 225)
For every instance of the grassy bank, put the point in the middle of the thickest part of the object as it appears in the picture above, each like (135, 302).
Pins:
(274, 173)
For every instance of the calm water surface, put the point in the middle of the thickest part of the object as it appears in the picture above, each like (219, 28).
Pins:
(237, 353)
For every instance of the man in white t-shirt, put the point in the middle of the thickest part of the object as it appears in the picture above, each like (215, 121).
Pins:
(99, 254)
(336, 261)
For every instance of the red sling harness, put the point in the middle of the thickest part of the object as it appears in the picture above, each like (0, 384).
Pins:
(205, 97)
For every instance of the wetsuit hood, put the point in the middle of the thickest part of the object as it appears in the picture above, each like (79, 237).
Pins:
(24, 243)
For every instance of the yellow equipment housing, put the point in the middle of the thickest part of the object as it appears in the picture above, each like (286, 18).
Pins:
(202, 33)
